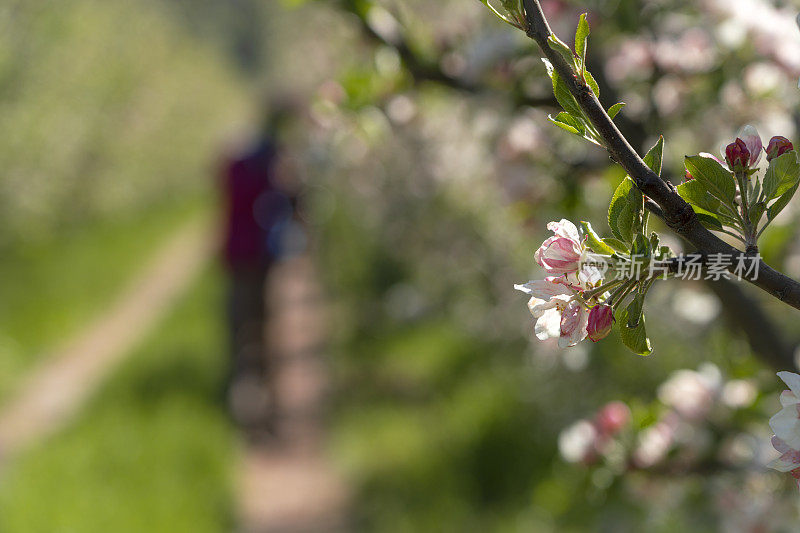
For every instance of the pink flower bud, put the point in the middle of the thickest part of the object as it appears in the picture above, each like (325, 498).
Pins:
(612, 418)
(778, 146)
(601, 319)
(737, 155)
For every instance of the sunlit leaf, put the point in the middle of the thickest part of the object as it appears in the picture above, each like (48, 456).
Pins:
(595, 242)
(624, 215)
(614, 110)
(718, 181)
(655, 155)
(581, 39)
(782, 175)
(635, 339)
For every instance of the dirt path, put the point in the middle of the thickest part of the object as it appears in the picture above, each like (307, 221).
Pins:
(55, 391)
(290, 486)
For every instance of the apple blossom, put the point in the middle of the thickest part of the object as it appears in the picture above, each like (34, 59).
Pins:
(573, 324)
(778, 146)
(557, 314)
(576, 443)
(691, 393)
(789, 461)
(737, 155)
(612, 417)
(745, 151)
(753, 142)
(563, 252)
(555, 301)
(786, 424)
(655, 442)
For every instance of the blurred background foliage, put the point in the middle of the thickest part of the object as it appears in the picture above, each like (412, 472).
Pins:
(431, 172)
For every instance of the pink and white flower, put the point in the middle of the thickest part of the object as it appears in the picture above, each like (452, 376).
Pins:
(557, 314)
(555, 302)
(753, 142)
(563, 252)
(692, 393)
(789, 461)
(786, 425)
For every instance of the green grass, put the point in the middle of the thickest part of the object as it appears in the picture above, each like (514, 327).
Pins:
(50, 289)
(152, 452)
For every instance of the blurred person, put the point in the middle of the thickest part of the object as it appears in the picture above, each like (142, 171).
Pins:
(259, 213)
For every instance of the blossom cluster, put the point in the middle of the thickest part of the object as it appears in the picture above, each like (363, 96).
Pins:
(557, 302)
(691, 399)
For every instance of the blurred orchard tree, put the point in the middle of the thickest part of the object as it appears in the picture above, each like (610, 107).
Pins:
(437, 170)
(107, 108)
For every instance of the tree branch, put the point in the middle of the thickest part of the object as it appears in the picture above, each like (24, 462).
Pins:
(677, 214)
(426, 71)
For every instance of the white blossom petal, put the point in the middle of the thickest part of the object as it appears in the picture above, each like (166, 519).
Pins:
(537, 307)
(565, 228)
(548, 325)
(786, 426)
(752, 140)
(779, 445)
(792, 380)
(544, 289)
(578, 333)
(783, 465)
(788, 398)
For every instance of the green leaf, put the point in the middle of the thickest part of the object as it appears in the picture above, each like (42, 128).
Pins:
(494, 10)
(559, 46)
(756, 212)
(706, 207)
(595, 242)
(590, 81)
(566, 121)
(709, 220)
(697, 195)
(624, 214)
(634, 310)
(640, 251)
(783, 174)
(614, 110)
(634, 338)
(654, 241)
(641, 246)
(655, 155)
(564, 97)
(565, 127)
(581, 39)
(717, 181)
(780, 203)
(617, 245)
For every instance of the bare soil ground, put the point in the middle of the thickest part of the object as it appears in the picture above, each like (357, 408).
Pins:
(289, 485)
